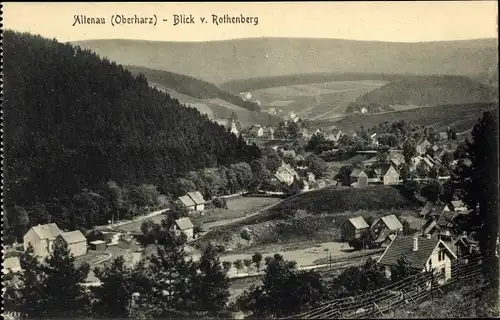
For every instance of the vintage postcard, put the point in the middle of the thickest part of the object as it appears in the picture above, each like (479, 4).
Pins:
(271, 160)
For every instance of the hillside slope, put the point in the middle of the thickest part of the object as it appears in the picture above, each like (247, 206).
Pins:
(75, 121)
(221, 61)
(428, 91)
(460, 117)
(206, 97)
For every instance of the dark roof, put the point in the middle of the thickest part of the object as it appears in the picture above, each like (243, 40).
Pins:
(446, 219)
(403, 246)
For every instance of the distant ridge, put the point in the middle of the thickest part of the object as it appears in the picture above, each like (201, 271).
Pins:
(225, 60)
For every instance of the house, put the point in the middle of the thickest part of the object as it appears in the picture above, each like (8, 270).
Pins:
(268, 133)
(198, 200)
(11, 265)
(185, 226)
(286, 174)
(422, 253)
(334, 136)
(305, 134)
(311, 177)
(457, 206)
(187, 202)
(76, 242)
(384, 238)
(397, 160)
(422, 146)
(465, 246)
(42, 239)
(257, 131)
(288, 153)
(389, 224)
(354, 228)
(430, 227)
(358, 178)
(387, 174)
(300, 158)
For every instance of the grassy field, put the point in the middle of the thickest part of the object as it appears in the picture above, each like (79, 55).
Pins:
(237, 207)
(460, 117)
(316, 100)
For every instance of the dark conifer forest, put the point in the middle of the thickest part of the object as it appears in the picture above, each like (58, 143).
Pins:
(74, 121)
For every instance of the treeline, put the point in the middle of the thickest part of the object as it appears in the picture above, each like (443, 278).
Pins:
(429, 91)
(193, 87)
(74, 121)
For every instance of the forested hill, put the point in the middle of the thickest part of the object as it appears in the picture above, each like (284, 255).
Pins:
(429, 91)
(73, 120)
(192, 86)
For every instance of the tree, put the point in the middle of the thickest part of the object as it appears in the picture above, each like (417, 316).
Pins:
(382, 157)
(432, 190)
(401, 270)
(284, 290)
(433, 173)
(238, 264)
(407, 230)
(211, 284)
(248, 263)
(63, 296)
(343, 174)
(114, 294)
(246, 235)
(257, 260)
(409, 150)
(447, 159)
(479, 185)
(316, 165)
(32, 286)
(227, 265)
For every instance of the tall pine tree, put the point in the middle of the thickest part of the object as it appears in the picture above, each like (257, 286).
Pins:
(211, 284)
(63, 296)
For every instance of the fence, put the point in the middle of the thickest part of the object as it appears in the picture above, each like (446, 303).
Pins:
(409, 290)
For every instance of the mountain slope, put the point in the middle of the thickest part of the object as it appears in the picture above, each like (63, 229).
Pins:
(206, 97)
(460, 117)
(75, 121)
(427, 91)
(221, 61)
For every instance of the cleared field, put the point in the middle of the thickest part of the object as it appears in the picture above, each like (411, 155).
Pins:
(136, 225)
(236, 208)
(316, 100)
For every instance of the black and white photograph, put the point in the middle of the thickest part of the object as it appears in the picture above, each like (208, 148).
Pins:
(239, 160)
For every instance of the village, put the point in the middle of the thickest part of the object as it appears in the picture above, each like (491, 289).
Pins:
(426, 236)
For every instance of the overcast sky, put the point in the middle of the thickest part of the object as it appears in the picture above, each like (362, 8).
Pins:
(381, 21)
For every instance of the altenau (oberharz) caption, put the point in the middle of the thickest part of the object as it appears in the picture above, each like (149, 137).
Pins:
(174, 19)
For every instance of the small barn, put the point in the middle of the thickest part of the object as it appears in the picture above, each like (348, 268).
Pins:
(185, 226)
(187, 202)
(76, 242)
(354, 228)
(358, 178)
(11, 265)
(390, 224)
(98, 245)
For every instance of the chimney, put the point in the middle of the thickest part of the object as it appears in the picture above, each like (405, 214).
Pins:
(415, 243)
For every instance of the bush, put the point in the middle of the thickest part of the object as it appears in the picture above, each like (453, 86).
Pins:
(197, 229)
(220, 203)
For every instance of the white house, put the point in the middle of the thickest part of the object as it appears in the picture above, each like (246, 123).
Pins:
(185, 226)
(187, 202)
(423, 254)
(286, 174)
(198, 200)
(42, 239)
(76, 242)
(12, 264)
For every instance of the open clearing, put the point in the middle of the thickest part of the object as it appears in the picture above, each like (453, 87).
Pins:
(316, 100)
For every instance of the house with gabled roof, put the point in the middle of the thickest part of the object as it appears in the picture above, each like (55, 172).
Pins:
(465, 246)
(423, 254)
(42, 238)
(187, 202)
(268, 133)
(11, 265)
(256, 131)
(76, 242)
(354, 228)
(389, 223)
(286, 174)
(358, 178)
(387, 174)
(334, 135)
(422, 146)
(198, 200)
(456, 205)
(184, 226)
